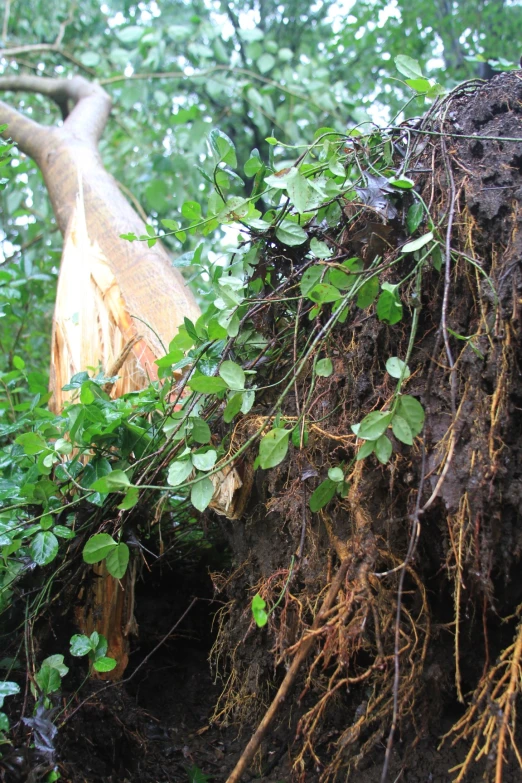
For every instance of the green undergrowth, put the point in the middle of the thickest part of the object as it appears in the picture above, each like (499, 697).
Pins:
(78, 487)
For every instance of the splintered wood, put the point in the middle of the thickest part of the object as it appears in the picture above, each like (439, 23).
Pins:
(93, 327)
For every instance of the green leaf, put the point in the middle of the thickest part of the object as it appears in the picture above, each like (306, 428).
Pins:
(249, 397)
(207, 384)
(323, 293)
(233, 407)
(368, 292)
(258, 611)
(389, 308)
(179, 471)
(416, 244)
(195, 775)
(48, 680)
(63, 532)
(18, 362)
(405, 183)
(309, 279)
(365, 450)
(191, 210)
(383, 449)
(290, 234)
(233, 375)
(419, 85)
(4, 722)
(266, 62)
(8, 689)
(273, 448)
(374, 425)
(412, 411)
(324, 367)
(129, 501)
(105, 664)
(80, 645)
(414, 217)
(223, 148)
(205, 460)
(296, 437)
(253, 164)
(319, 249)
(118, 560)
(201, 494)
(98, 547)
(336, 474)
(44, 547)
(408, 66)
(200, 431)
(402, 430)
(31, 443)
(56, 662)
(298, 190)
(112, 482)
(397, 368)
(322, 494)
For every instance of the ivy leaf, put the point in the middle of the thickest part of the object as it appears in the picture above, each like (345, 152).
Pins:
(336, 474)
(207, 384)
(323, 293)
(233, 407)
(112, 482)
(298, 190)
(389, 308)
(290, 234)
(200, 430)
(396, 367)
(374, 425)
(205, 460)
(98, 547)
(80, 645)
(324, 367)
(273, 448)
(309, 279)
(44, 547)
(402, 430)
(416, 244)
(408, 66)
(233, 375)
(414, 217)
(131, 498)
(222, 147)
(31, 442)
(201, 494)
(412, 411)
(105, 664)
(48, 680)
(383, 449)
(322, 495)
(118, 560)
(368, 292)
(8, 689)
(179, 471)
(259, 611)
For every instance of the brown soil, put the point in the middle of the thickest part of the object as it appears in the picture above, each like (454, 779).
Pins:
(461, 591)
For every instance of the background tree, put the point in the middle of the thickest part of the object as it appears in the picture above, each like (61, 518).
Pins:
(175, 70)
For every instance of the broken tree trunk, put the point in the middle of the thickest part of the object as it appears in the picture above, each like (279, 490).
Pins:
(118, 305)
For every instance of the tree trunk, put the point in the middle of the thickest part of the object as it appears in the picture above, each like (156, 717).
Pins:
(118, 303)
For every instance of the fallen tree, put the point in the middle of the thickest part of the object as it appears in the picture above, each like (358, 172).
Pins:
(366, 336)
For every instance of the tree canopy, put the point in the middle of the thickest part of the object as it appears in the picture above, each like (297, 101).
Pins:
(175, 70)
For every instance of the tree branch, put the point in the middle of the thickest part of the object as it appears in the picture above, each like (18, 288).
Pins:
(91, 103)
(27, 134)
(15, 51)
